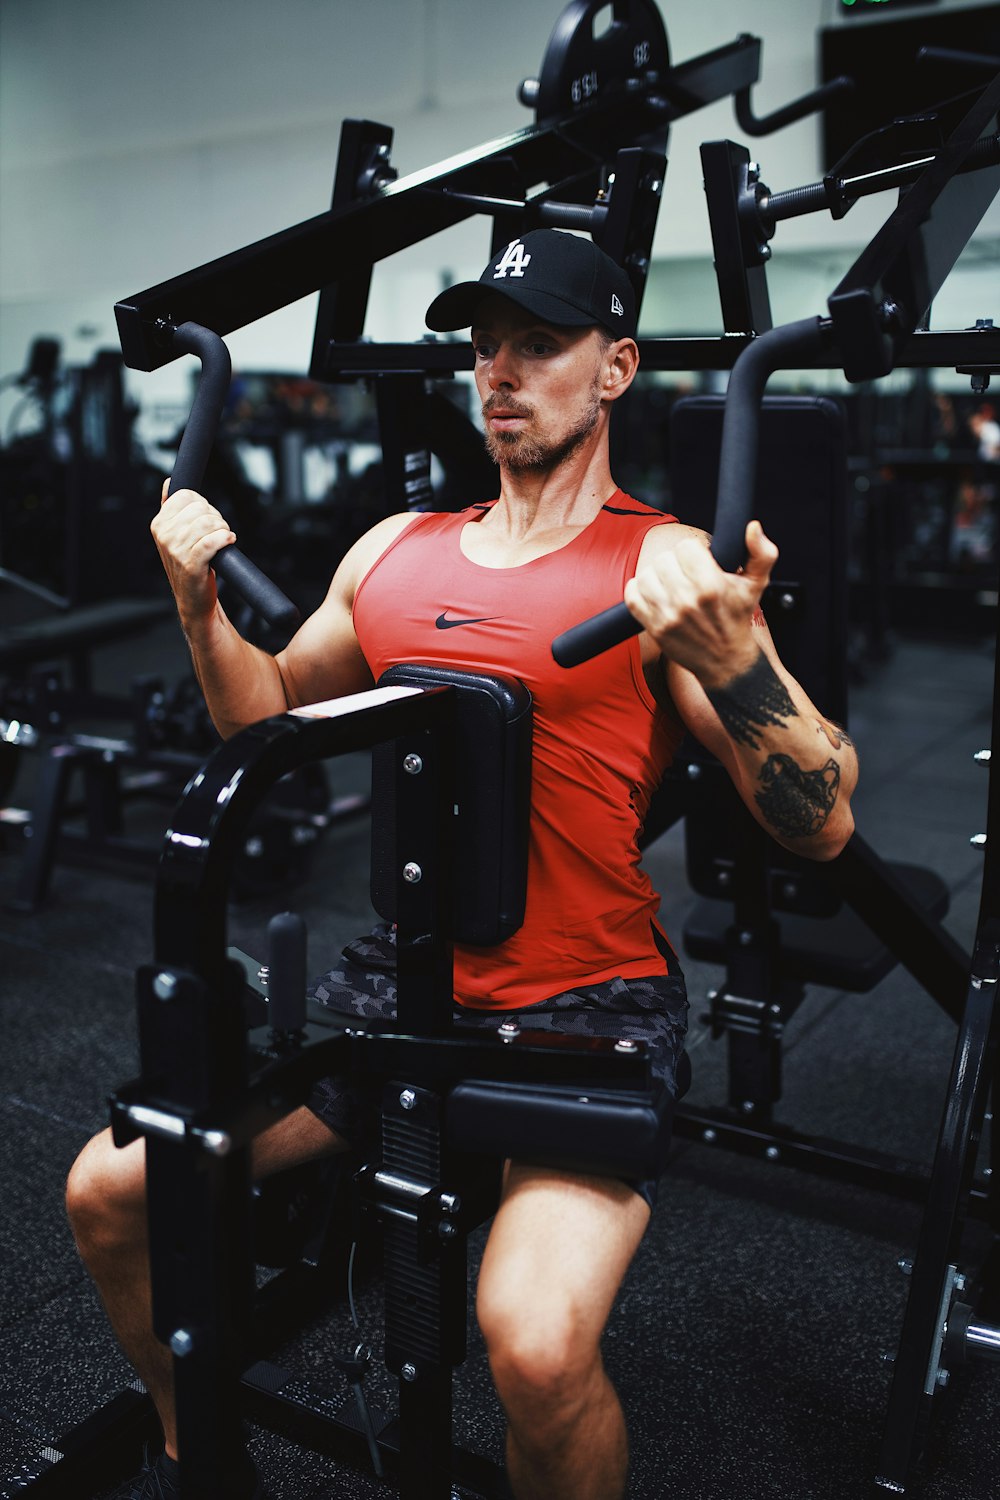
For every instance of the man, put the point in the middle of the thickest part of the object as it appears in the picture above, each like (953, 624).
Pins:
(553, 331)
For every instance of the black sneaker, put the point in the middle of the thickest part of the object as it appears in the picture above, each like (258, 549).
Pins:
(159, 1479)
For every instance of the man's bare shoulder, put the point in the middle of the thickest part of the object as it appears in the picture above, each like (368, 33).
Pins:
(667, 537)
(367, 550)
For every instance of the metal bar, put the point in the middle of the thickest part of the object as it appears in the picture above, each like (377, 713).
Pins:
(252, 282)
(940, 1237)
(192, 889)
(916, 940)
(983, 1340)
(815, 1154)
(924, 350)
(887, 291)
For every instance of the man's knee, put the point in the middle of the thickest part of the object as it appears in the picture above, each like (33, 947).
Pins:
(542, 1358)
(105, 1194)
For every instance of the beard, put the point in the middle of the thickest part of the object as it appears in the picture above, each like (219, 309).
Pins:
(526, 453)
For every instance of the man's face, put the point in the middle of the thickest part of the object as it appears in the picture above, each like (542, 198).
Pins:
(540, 385)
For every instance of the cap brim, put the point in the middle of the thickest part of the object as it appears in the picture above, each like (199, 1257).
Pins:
(456, 308)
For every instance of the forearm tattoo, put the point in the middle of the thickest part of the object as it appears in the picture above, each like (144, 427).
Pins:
(797, 803)
(752, 701)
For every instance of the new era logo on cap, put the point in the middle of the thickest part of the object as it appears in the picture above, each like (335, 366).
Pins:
(563, 279)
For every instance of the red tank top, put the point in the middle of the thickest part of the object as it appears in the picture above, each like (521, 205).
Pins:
(600, 742)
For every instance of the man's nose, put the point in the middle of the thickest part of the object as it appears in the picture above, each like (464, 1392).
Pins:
(503, 369)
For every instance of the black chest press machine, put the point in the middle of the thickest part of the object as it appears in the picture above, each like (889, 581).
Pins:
(449, 1100)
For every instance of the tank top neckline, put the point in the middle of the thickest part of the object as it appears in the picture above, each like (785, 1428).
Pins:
(532, 561)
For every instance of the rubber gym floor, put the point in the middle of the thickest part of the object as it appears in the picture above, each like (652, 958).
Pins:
(747, 1343)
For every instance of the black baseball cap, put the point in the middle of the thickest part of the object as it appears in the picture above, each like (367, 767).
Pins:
(561, 278)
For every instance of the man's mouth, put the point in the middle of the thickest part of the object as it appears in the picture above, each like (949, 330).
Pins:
(504, 416)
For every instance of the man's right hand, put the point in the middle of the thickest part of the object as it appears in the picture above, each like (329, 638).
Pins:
(188, 532)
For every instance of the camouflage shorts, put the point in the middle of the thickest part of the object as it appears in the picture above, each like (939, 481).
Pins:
(652, 1010)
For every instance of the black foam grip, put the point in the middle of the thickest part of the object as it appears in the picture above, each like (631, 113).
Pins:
(777, 349)
(591, 637)
(255, 588)
(286, 984)
(242, 576)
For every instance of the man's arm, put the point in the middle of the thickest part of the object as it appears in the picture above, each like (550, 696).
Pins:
(793, 768)
(241, 683)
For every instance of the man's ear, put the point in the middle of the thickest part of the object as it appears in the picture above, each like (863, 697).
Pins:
(623, 362)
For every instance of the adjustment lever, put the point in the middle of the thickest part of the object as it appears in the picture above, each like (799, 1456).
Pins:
(353, 1367)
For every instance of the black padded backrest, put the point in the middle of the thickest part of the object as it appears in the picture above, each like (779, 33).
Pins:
(492, 802)
(801, 501)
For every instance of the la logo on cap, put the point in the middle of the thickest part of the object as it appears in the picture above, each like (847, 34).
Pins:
(514, 260)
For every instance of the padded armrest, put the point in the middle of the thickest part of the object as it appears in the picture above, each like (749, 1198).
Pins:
(616, 1134)
(492, 802)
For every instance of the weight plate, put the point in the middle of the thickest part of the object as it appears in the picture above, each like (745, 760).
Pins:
(579, 67)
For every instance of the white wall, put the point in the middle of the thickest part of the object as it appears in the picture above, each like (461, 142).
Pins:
(140, 138)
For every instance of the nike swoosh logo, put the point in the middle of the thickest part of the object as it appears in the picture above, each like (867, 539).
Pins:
(443, 623)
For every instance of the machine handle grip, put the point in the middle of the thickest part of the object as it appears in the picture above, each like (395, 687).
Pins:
(242, 576)
(777, 349)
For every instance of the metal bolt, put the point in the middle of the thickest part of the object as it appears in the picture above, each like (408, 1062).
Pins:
(789, 890)
(708, 1136)
(412, 765)
(254, 848)
(961, 1282)
(409, 1372)
(412, 872)
(905, 1265)
(165, 986)
(943, 1377)
(446, 1230)
(746, 938)
(408, 1099)
(693, 770)
(181, 1342)
(787, 601)
(508, 1030)
(625, 1045)
(218, 1142)
(978, 841)
(747, 1106)
(772, 1153)
(264, 973)
(450, 1202)
(723, 880)
(982, 757)
(887, 1357)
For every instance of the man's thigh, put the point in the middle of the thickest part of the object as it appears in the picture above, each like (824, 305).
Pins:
(298, 1137)
(559, 1248)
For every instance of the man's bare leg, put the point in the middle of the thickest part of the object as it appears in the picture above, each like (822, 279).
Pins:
(106, 1202)
(557, 1253)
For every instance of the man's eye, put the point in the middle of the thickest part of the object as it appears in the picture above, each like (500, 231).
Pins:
(483, 350)
(540, 348)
